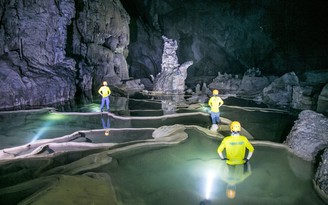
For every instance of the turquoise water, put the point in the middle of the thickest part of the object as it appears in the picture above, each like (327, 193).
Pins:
(185, 173)
(179, 175)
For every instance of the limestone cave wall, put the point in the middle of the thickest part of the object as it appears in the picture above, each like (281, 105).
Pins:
(52, 51)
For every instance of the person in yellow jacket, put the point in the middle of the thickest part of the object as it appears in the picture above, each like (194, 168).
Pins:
(105, 92)
(215, 103)
(235, 146)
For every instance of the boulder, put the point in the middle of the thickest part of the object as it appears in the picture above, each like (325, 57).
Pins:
(303, 98)
(280, 91)
(309, 135)
(322, 104)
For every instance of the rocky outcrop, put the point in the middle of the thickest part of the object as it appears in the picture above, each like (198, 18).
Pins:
(308, 139)
(100, 36)
(321, 176)
(51, 49)
(309, 135)
(172, 77)
(34, 68)
(225, 83)
(303, 98)
(280, 91)
(322, 105)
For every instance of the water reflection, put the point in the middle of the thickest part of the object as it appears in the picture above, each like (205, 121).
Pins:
(233, 175)
(105, 124)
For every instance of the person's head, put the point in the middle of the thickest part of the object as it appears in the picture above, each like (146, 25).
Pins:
(235, 126)
(215, 92)
(106, 132)
(105, 83)
(231, 191)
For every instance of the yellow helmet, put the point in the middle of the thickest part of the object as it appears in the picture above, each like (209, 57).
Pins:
(104, 83)
(215, 92)
(235, 126)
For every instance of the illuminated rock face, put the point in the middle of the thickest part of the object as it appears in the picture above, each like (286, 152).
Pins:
(51, 49)
(309, 135)
(172, 77)
(308, 139)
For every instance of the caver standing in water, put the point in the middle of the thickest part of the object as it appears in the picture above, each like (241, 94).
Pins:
(235, 146)
(105, 92)
(215, 103)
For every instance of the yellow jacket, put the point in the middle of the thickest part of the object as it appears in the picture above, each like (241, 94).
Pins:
(235, 148)
(104, 91)
(215, 102)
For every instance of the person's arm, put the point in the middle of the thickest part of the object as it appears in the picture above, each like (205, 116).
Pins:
(99, 91)
(210, 102)
(249, 155)
(250, 148)
(221, 148)
(109, 91)
(221, 102)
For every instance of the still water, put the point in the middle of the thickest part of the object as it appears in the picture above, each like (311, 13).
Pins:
(186, 173)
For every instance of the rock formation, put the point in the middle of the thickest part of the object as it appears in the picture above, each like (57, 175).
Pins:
(323, 100)
(308, 139)
(49, 50)
(172, 77)
(309, 135)
(280, 91)
(321, 176)
(34, 68)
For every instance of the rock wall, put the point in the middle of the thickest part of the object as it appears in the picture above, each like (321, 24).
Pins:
(34, 68)
(100, 36)
(50, 50)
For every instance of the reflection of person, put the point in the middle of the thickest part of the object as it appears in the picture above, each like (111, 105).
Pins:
(215, 103)
(106, 125)
(105, 92)
(234, 175)
(235, 146)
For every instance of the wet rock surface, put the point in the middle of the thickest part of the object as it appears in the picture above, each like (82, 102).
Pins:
(308, 139)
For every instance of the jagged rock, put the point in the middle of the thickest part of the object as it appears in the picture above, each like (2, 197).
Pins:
(252, 85)
(23, 87)
(309, 135)
(100, 36)
(172, 77)
(225, 83)
(321, 176)
(280, 91)
(302, 98)
(322, 105)
(134, 85)
(39, 37)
